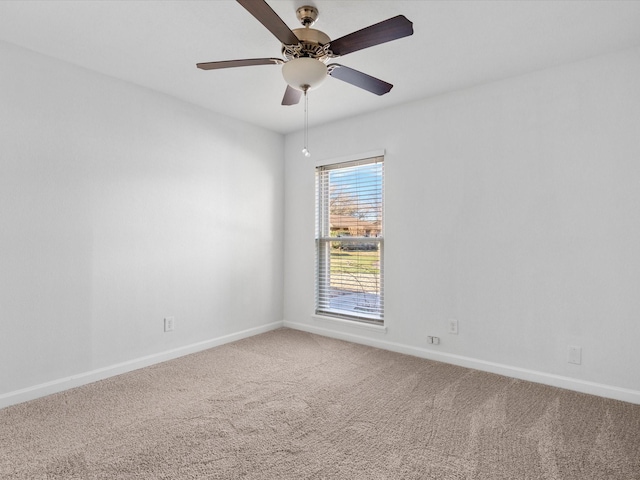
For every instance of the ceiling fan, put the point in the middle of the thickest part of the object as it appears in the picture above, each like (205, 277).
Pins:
(307, 50)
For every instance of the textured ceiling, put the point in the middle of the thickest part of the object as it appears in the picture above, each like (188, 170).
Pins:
(456, 44)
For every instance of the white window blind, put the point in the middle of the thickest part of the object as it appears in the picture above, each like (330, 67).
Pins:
(349, 240)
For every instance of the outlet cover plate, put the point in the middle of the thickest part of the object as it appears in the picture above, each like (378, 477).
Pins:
(169, 324)
(575, 355)
(453, 326)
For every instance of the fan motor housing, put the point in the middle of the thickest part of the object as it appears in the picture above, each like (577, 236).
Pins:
(313, 43)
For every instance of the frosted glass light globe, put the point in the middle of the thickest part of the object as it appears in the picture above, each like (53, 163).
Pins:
(304, 73)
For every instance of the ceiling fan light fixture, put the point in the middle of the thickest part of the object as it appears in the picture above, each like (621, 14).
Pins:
(304, 73)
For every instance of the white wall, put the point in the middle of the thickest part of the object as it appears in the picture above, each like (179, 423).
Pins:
(120, 206)
(512, 207)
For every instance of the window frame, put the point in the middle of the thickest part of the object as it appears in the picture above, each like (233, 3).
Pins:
(324, 241)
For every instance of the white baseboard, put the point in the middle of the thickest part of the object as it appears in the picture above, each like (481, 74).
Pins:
(61, 384)
(607, 391)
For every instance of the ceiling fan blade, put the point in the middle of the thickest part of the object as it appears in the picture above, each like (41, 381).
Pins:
(239, 63)
(359, 79)
(385, 31)
(270, 19)
(291, 96)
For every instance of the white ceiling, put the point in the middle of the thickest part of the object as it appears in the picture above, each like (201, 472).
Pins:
(456, 44)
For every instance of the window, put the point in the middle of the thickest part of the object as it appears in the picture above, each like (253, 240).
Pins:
(349, 240)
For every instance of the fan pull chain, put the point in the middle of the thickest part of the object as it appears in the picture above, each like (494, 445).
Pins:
(305, 150)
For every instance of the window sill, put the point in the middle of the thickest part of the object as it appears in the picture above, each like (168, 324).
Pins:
(351, 323)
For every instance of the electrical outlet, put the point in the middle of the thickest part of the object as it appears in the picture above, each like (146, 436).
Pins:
(169, 324)
(453, 326)
(575, 355)
(433, 340)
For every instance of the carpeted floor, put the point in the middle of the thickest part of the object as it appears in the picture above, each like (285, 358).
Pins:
(291, 405)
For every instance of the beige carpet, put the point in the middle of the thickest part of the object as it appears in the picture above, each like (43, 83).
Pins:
(291, 405)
